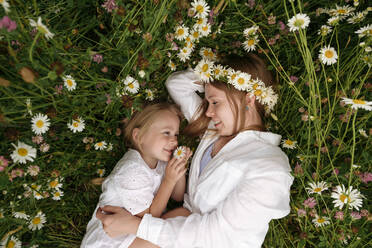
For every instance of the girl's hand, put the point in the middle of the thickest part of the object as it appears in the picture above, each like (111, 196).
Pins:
(176, 168)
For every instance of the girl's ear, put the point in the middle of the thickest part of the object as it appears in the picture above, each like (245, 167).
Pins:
(250, 100)
(135, 135)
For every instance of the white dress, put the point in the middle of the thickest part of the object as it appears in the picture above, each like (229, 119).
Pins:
(131, 185)
(236, 195)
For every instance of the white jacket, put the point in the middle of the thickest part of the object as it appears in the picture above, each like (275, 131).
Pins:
(240, 190)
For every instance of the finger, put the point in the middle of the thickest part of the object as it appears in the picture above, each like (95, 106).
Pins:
(99, 214)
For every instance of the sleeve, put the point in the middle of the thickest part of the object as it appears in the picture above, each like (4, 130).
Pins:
(182, 89)
(134, 189)
(242, 218)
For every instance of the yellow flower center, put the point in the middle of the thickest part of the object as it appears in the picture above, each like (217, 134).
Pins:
(241, 81)
(341, 11)
(130, 85)
(34, 186)
(53, 184)
(317, 190)
(99, 144)
(57, 194)
(149, 93)
(184, 50)
(299, 22)
(11, 243)
(357, 101)
(250, 42)
(370, 31)
(200, 21)
(195, 34)
(199, 8)
(217, 71)
(321, 220)
(344, 197)
(42, 29)
(289, 142)
(205, 67)
(255, 86)
(179, 153)
(206, 53)
(205, 28)
(36, 221)
(257, 92)
(233, 76)
(75, 124)
(22, 152)
(180, 32)
(39, 123)
(328, 54)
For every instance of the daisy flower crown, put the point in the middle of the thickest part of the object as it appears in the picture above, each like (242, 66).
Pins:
(209, 71)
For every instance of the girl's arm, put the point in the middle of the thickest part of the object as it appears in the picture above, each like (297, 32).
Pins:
(182, 87)
(179, 189)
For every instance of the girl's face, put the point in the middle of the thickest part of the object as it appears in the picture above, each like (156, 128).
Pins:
(159, 142)
(219, 110)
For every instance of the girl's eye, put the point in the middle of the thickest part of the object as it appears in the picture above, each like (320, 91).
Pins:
(166, 133)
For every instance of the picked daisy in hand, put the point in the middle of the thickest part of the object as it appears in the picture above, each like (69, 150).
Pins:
(357, 103)
(131, 85)
(351, 197)
(41, 28)
(37, 222)
(328, 55)
(100, 145)
(69, 82)
(297, 22)
(200, 8)
(40, 124)
(290, 144)
(317, 188)
(180, 152)
(76, 125)
(320, 221)
(22, 153)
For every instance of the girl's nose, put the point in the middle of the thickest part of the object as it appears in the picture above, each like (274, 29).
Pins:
(174, 141)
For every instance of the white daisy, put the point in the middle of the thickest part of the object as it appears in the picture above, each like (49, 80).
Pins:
(290, 144)
(5, 5)
(297, 22)
(341, 11)
(194, 35)
(109, 147)
(100, 172)
(357, 103)
(320, 221)
(69, 82)
(184, 54)
(218, 71)
(207, 54)
(357, 17)
(171, 65)
(36, 191)
(317, 188)
(351, 197)
(250, 31)
(181, 32)
(333, 21)
(324, 30)
(180, 152)
(200, 8)
(56, 195)
(242, 81)
(22, 153)
(250, 43)
(204, 70)
(268, 98)
(76, 125)
(205, 30)
(21, 215)
(149, 94)
(200, 23)
(364, 31)
(142, 73)
(55, 184)
(13, 242)
(328, 55)
(40, 124)
(41, 28)
(37, 222)
(131, 85)
(100, 145)
(363, 133)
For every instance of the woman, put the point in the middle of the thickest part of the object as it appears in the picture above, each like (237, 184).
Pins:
(239, 178)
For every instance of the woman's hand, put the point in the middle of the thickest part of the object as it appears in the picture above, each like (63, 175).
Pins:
(117, 221)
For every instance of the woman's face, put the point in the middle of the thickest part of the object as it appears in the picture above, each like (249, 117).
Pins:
(220, 111)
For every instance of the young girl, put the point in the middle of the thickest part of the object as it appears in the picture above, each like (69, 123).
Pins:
(142, 181)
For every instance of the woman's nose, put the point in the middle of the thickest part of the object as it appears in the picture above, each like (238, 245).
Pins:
(209, 112)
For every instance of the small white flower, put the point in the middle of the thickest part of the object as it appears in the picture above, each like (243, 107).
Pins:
(40, 124)
(320, 221)
(22, 153)
(317, 188)
(297, 22)
(41, 28)
(290, 144)
(363, 133)
(218, 71)
(131, 85)
(357, 17)
(328, 55)
(205, 30)
(180, 152)
(21, 215)
(250, 43)
(55, 183)
(341, 11)
(5, 5)
(76, 125)
(171, 65)
(207, 54)
(364, 31)
(56, 195)
(181, 32)
(357, 103)
(351, 197)
(242, 81)
(184, 54)
(37, 222)
(333, 21)
(149, 94)
(109, 147)
(204, 70)
(324, 30)
(69, 82)
(100, 145)
(250, 31)
(200, 8)
(141, 73)
(100, 172)
(12, 242)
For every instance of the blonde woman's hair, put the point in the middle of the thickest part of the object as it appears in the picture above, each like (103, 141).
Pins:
(145, 118)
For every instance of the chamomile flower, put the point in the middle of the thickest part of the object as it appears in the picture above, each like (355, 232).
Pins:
(341, 11)
(205, 30)
(333, 21)
(131, 85)
(320, 221)
(172, 65)
(13, 242)
(324, 30)
(200, 8)
(184, 54)
(242, 80)
(149, 94)
(357, 17)
(101, 172)
(250, 31)
(204, 70)
(21, 215)
(200, 23)
(364, 31)
(76, 125)
(69, 82)
(36, 191)
(290, 144)
(218, 71)
(55, 183)
(207, 54)
(56, 195)
(40, 124)
(181, 32)
(357, 103)
(297, 22)
(41, 28)
(180, 152)
(317, 188)
(351, 197)
(250, 43)
(194, 35)
(37, 222)
(100, 145)
(328, 55)
(22, 153)
(5, 5)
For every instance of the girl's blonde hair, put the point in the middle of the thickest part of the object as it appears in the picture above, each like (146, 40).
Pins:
(145, 118)
(251, 64)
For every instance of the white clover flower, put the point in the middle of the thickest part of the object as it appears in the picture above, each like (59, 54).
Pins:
(141, 73)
